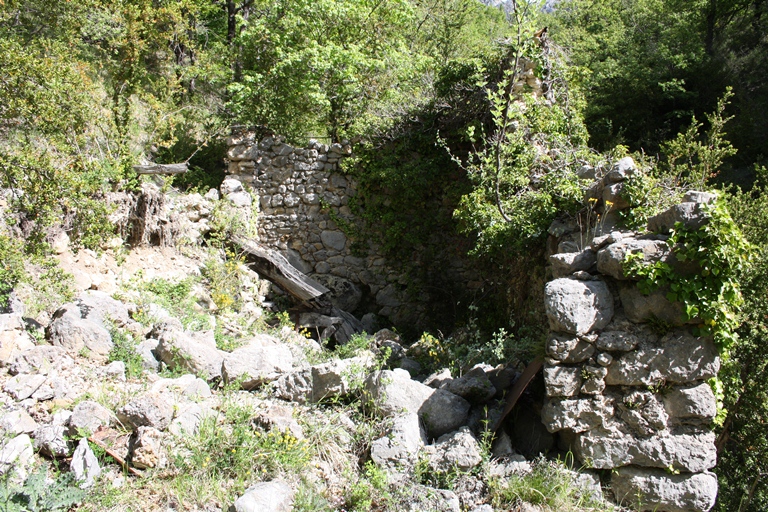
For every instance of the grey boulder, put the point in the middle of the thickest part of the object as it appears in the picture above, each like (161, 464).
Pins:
(274, 496)
(577, 307)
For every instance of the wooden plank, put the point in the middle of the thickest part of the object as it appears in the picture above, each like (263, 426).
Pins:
(517, 389)
(161, 168)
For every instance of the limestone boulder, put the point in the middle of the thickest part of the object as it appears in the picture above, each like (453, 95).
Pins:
(455, 451)
(394, 393)
(18, 455)
(87, 417)
(577, 307)
(274, 496)
(653, 489)
(694, 402)
(565, 264)
(562, 380)
(690, 214)
(69, 330)
(100, 308)
(400, 447)
(610, 260)
(568, 349)
(85, 465)
(263, 360)
(576, 415)
(51, 440)
(617, 341)
(147, 410)
(146, 448)
(178, 350)
(13, 337)
(326, 380)
(621, 170)
(680, 357)
(474, 385)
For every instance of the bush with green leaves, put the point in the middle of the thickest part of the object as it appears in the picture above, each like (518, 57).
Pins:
(742, 446)
(721, 255)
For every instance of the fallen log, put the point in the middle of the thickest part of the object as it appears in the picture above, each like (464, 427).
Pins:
(274, 267)
(161, 168)
(321, 314)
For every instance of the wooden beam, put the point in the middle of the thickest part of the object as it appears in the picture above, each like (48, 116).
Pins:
(275, 267)
(161, 168)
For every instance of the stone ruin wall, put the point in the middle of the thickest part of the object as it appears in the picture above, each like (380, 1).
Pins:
(621, 394)
(301, 197)
(624, 396)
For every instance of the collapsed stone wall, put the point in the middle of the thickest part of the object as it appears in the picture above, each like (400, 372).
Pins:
(303, 203)
(626, 379)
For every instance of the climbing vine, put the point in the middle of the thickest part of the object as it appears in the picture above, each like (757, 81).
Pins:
(720, 254)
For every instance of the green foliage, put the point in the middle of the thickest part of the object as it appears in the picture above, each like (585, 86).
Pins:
(12, 266)
(551, 484)
(174, 296)
(650, 65)
(370, 491)
(690, 161)
(223, 279)
(229, 452)
(325, 67)
(469, 345)
(124, 350)
(742, 446)
(522, 164)
(37, 494)
(694, 162)
(712, 295)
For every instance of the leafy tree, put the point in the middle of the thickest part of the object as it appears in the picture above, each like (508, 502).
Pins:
(331, 67)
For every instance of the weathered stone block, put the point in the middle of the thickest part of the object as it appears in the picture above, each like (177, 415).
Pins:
(680, 357)
(612, 448)
(578, 307)
(564, 264)
(653, 489)
(610, 260)
(568, 349)
(562, 380)
(691, 402)
(576, 415)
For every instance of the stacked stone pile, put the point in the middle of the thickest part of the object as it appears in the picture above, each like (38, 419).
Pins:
(626, 380)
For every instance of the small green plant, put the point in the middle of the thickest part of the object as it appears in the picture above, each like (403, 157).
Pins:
(12, 267)
(38, 494)
(370, 491)
(223, 279)
(124, 349)
(175, 296)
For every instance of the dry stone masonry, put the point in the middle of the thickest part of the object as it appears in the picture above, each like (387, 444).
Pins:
(303, 210)
(624, 395)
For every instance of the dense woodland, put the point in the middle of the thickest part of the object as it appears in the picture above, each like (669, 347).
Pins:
(89, 88)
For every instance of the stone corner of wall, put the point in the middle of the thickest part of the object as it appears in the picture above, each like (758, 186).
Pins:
(630, 397)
